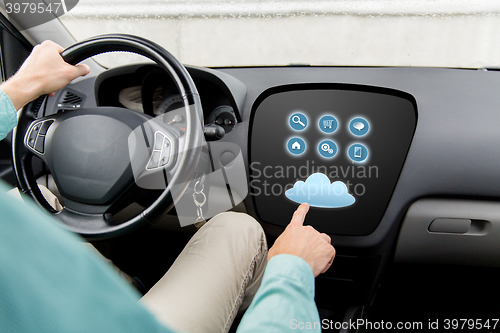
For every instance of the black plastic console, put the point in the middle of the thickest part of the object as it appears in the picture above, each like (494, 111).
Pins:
(338, 147)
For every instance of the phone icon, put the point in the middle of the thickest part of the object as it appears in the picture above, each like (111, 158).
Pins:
(358, 152)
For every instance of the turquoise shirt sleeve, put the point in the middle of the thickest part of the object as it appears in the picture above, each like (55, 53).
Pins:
(8, 115)
(51, 282)
(285, 299)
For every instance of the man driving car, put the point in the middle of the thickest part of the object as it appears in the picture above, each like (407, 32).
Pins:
(51, 282)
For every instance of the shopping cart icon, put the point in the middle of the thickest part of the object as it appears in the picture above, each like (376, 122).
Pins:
(328, 123)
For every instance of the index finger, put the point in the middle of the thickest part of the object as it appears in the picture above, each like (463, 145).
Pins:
(300, 215)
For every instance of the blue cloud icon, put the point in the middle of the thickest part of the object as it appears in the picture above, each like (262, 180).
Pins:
(317, 191)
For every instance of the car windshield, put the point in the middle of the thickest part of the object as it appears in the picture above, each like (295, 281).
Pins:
(224, 33)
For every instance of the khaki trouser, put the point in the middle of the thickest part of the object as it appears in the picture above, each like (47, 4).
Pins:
(217, 273)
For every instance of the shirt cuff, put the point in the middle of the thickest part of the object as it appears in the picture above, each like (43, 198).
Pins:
(8, 115)
(292, 267)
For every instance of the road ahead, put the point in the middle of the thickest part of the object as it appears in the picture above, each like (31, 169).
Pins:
(263, 32)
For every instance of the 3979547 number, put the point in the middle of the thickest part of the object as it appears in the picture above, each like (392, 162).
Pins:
(32, 7)
(470, 324)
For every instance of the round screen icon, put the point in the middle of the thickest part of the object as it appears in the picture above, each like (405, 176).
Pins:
(327, 148)
(328, 124)
(357, 152)
(296, 146)
(298, 121)
(359, 126)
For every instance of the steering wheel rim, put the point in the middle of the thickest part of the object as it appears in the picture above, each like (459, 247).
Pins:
(98, 226)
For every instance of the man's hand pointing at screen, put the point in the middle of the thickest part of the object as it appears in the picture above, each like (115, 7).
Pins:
(305, 242)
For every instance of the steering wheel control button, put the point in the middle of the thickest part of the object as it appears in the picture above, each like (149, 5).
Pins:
(359, 126)
(158, 140)
(296, 146)
(45, 127)
(165, 156)
(161, 152)
(298, 121)
(357, 152)
(327, 149)
(36, 138)
(328, 124)
(32, 138)
(40, 142)
(163, 160)
(154, 161)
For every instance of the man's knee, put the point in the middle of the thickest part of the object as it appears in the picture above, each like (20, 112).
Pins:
(239, 229)
(237, 223)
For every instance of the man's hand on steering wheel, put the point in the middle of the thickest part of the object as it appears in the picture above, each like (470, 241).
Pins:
(43, 72)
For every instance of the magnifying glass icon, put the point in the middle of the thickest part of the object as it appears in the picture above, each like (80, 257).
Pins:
(296, 120)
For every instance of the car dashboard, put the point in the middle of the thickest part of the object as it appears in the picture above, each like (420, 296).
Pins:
(418, 146)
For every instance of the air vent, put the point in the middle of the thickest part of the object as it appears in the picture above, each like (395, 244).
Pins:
(70, 100)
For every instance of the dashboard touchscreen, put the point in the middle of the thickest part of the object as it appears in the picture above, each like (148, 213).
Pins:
(340, 148)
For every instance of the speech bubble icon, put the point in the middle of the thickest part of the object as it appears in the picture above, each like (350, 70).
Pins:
(358, 125)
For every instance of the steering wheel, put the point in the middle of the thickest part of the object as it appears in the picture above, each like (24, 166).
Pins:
(88, 150)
